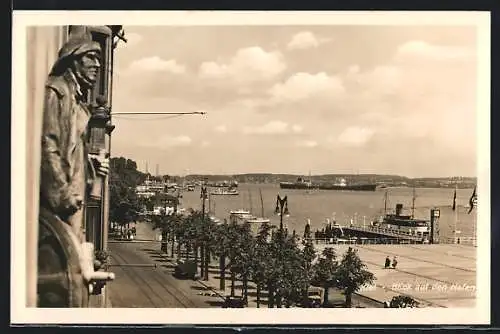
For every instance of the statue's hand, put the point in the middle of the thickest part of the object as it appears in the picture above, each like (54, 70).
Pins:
(101, 164)
(72, 205)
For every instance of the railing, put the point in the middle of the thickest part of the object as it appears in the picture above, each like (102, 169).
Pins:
(367, 241)
(468, 241)
(389, 232)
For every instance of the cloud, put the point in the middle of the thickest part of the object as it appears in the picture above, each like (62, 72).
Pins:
(415, 49)
(247, 65)
(305, 40)
(155, 63)
(307, 143)
(302, 86)
(355, 136)
(221, 129)
(353, 69)
(205, 143)
(168, 141)
(133, 38)
(297, 128)
(270, 128)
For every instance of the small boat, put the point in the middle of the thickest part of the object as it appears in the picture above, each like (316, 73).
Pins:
(224, 192)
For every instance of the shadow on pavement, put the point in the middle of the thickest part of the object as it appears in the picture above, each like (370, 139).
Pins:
(262, 303)
(213, 271)
(216, 303)
(149, 250)
(168, 266)
(263, 294)
(199, 288)
(159, 258)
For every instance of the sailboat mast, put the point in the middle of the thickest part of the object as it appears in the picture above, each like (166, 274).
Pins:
(261, 203)
(209, 202)
(250, 200)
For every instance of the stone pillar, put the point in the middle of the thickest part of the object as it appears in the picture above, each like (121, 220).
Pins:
(42, 45)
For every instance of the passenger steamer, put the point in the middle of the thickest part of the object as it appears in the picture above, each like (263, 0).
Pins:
(403, 223)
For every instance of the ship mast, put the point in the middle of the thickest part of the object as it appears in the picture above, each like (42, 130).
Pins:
(385, 203)
(413, 203)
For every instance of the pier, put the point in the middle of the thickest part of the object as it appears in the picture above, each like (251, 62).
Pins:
(373, 232)
(378, 235)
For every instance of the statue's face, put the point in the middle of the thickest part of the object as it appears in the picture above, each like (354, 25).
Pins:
(87, 66)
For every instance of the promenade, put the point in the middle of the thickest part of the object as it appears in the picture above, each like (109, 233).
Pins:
(144, 280)
(441, 275)
(435, 275)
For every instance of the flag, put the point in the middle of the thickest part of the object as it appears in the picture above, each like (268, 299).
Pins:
(472, 201)
(454, 200)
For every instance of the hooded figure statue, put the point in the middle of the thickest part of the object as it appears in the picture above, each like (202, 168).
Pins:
(67, 170)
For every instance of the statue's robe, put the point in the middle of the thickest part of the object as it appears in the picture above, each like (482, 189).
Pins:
(66, 171)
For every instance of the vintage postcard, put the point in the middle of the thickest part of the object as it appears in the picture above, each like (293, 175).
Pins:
(224, 165)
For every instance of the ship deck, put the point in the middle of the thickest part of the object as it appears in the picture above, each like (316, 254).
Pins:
(441, 275)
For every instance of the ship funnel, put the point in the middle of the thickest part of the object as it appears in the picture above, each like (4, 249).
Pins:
(399, 209)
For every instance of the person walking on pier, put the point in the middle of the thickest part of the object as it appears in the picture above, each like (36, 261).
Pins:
(394, 263)
(387, 262)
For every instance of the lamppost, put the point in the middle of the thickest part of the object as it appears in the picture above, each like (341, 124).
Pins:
(281, 209)
(204, 250)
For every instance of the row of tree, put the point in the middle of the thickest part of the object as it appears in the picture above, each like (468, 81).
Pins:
(272, 259)
(124, 203)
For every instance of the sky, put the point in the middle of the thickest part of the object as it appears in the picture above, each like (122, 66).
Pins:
(298, 99)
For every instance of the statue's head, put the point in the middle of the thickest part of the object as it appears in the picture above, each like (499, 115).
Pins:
(83, 57)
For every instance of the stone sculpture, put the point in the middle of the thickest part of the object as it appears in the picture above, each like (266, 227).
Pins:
(68, 170)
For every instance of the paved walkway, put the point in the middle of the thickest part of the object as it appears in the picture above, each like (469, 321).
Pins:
(437, 275)
(145, 280)
(211, 289)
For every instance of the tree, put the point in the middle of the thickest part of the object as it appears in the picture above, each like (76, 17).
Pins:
(124, 177)
(309, 254)
(260, 263)
(234, 252)
(167, 225)
(325, 271)
(221, 249)
(351, 274)
(403, 301)
(295, 279)
(243, 257)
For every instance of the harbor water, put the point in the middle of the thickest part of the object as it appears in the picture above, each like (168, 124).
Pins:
(360, 207)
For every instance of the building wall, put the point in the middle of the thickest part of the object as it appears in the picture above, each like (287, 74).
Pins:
(43, 44)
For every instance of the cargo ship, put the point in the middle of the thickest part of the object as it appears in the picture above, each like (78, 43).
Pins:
(340, 185)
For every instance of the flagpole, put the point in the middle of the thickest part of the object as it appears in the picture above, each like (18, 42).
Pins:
(456, 218)
(474, 238)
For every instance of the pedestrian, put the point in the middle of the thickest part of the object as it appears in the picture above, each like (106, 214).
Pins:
(387, 262)
(394, 263)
